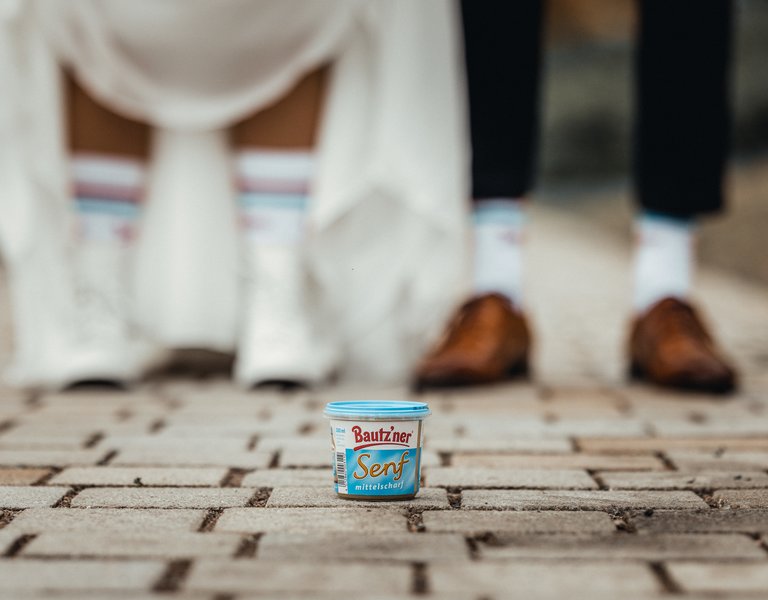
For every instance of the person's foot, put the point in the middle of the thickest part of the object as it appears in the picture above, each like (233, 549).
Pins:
(487, 340)
(278, 344)
(670, 346)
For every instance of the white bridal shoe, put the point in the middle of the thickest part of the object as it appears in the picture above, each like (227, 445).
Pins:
(107, 345)
(277, 341)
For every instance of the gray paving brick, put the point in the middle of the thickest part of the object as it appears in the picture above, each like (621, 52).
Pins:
(159, 476)
(476, 522)
(279, 577)
(43, 442)
(506, 444)
(742, 498)
(676, 480)
(271, 478)
(483, 477)
(577, 500)
(719, 460)
(134, 545)
(14, 476)
(147, 497)
(310, 520)
(77, 520)
(751, 521)
(94, 575)
(325, 497)
(298, 457)
(527, 579)
(50, 458)
(173, 445)
(538, 428)
(316, 443)
(748, 426)
(647, 445)
(624, 547)
(595, 462)
(410, 547)
(725, 578)
(191, 457)
(30, 497)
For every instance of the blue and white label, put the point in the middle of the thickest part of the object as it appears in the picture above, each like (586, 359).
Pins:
(376, 458)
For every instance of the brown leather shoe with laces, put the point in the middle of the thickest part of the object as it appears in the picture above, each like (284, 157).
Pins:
(487, 340)
(670, 346)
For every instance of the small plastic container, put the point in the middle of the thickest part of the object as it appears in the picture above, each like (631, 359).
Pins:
(377, 448)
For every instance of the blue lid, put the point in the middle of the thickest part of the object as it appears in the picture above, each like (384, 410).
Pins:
(381, 409)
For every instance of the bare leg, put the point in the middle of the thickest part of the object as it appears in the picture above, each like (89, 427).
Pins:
(291, 123)
(95, 129)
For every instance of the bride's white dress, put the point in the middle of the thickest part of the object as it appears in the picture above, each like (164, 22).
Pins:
(387, 219)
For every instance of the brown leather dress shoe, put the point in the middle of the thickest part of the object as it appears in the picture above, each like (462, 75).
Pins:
(487, 340)
(670, 346)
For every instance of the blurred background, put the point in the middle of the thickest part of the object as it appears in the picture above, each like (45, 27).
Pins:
(586, 135)
(585, 157)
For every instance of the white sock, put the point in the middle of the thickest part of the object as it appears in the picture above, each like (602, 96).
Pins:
(274, 186)
(107, 190)
(663, 259)
(499, 228)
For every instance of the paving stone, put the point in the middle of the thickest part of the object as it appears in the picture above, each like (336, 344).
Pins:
(79, 520)
(538, 428)
(176, 476)
(544, 579)
(476, 522)
(279, 577)
(748, 426)
(50, 458)
(648, 445)
(310, 520)
(198, 445)
(94, 544)
(676, 480)
(147, 497)
(651, 547)
(723, 578)
(191, 457)
(298, 457)
(271, 478)
(477, 445)
(230, 429)
(424, 547)
(750, 521)
(94, 575)
(81, 427)
(577, 500)
(30, 497)
(719, 460)
(48, 442)
(601, 462)
(325, 497)
(317, 443)
(483, 477)
(21, 476)
(741, 498)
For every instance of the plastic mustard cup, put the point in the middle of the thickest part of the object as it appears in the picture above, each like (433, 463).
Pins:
(377, 448)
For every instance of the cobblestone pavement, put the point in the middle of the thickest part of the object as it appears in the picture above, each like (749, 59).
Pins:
(574, 486)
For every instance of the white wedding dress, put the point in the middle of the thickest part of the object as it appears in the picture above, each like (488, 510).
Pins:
(387, 218)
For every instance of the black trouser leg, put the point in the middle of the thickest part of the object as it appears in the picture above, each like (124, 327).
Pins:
(502, 40)
(682, 124)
